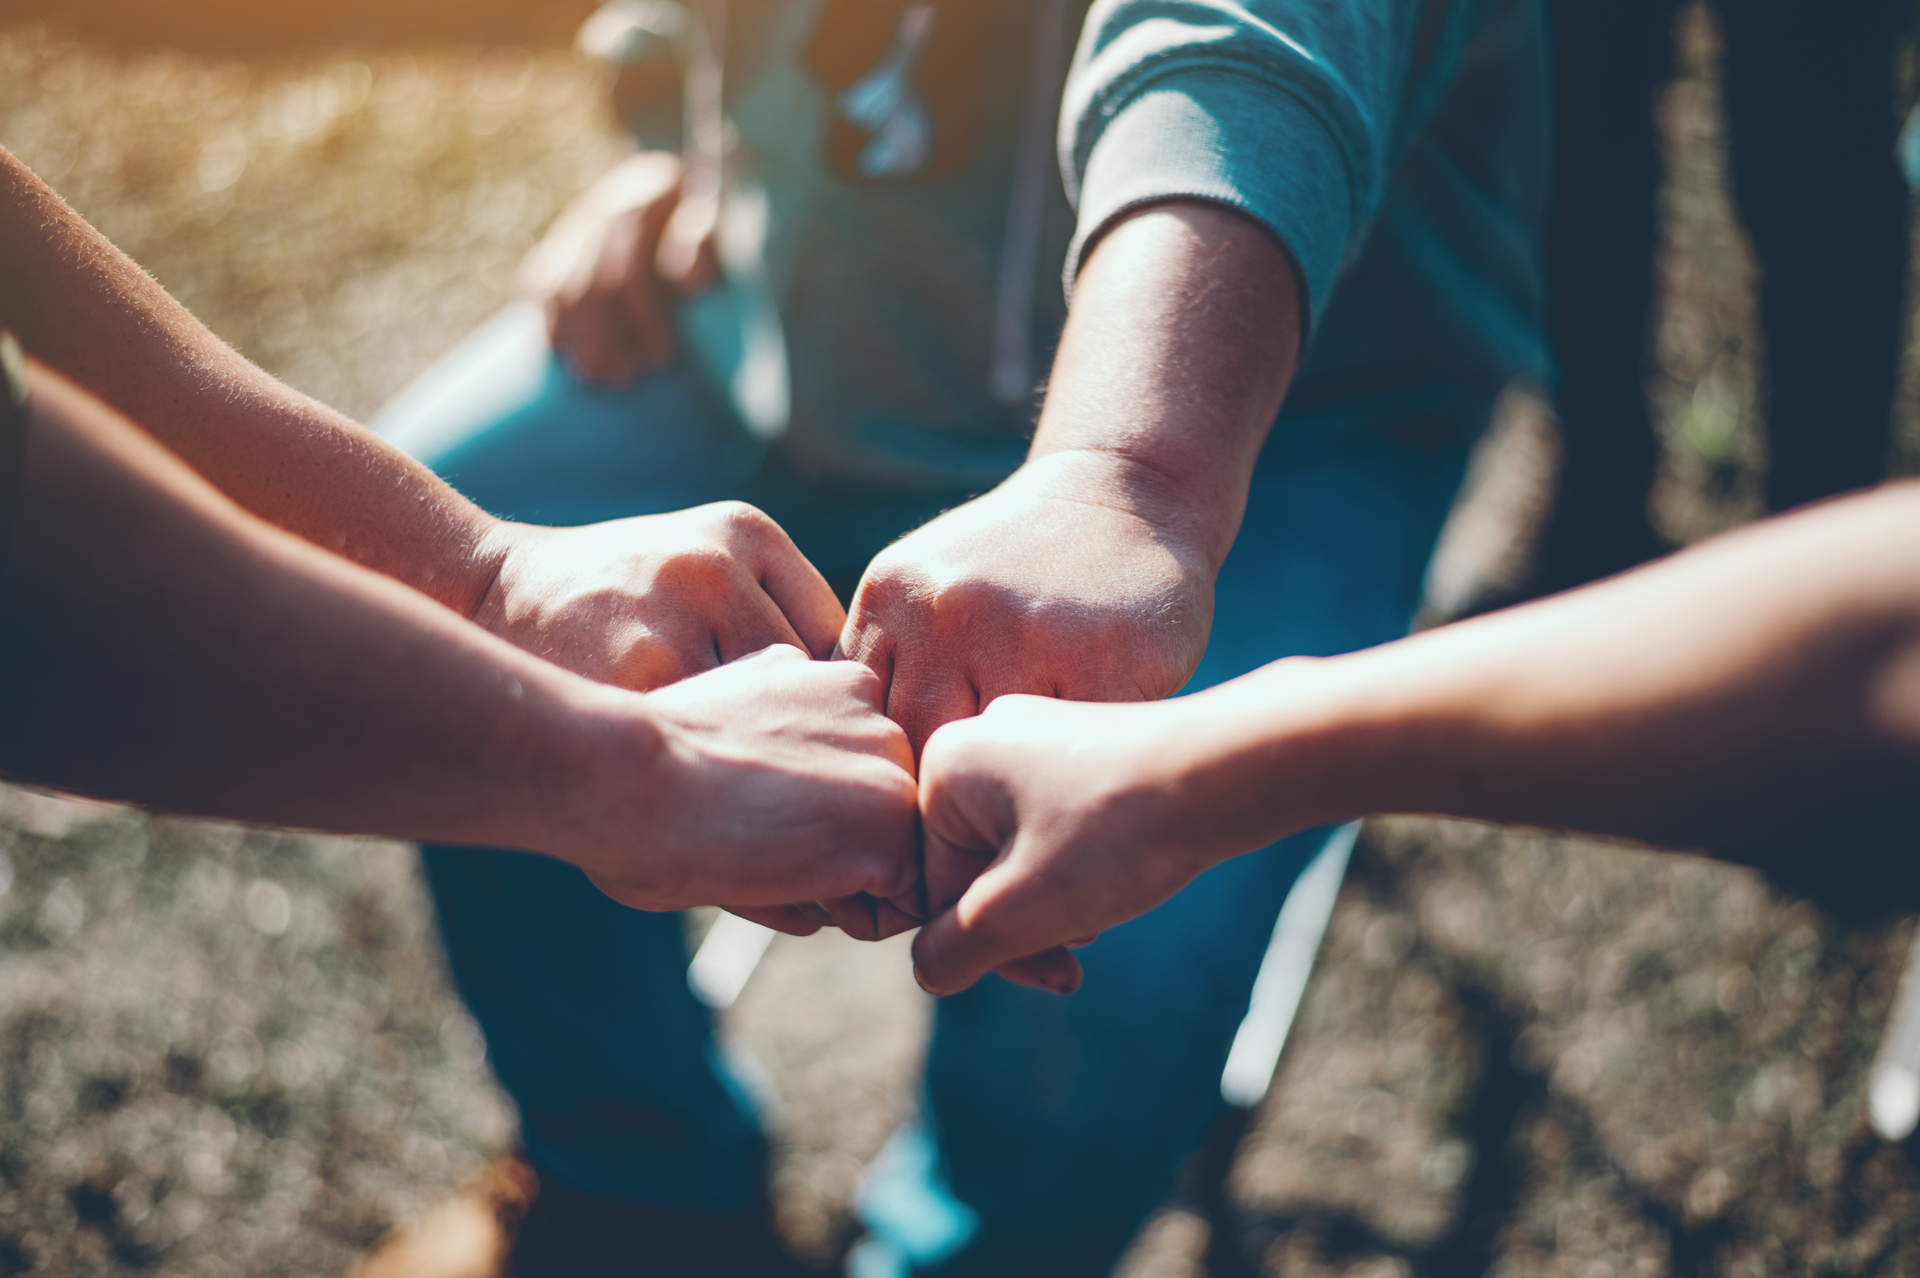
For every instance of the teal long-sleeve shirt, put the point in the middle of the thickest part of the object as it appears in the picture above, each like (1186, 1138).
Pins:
(1395, 148)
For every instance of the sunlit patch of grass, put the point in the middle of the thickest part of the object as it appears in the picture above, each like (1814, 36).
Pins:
(341, 218)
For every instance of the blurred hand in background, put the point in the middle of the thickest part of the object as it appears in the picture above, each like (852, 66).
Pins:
(607, 272)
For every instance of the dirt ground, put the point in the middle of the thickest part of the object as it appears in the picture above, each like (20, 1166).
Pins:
(229, 1051)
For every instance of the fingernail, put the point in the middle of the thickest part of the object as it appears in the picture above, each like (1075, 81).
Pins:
(921, 981)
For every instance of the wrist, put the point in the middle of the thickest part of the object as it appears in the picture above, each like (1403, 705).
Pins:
(1294, 745)
(486, 576)
(1197, 516)
(595, 785)
(1178, 349)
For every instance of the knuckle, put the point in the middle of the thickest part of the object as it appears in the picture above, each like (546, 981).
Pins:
(862, 642)
(740, 519)
(861, 681)
(942, 758)
(895, 878)
(660, 666)
(887, 586)
(990, 928)
(756, 521)
(697, 568)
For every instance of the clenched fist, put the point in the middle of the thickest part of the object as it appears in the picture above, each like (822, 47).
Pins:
(1045, 823)
(646, 601)
(608, 270)
(775, 779)
(1058, 583)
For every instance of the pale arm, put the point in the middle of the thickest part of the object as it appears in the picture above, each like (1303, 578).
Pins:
(1183, 337)
(87, 310)
(1757, 695)
(159, 644)
(1760, 693)
(638, 602)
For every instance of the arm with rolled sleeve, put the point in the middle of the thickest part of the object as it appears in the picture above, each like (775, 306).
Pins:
(1228, 161)
(1292, 113)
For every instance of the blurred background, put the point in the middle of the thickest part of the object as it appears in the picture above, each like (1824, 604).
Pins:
(229, 1051)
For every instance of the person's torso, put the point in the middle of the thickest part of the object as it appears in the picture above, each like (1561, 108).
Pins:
(916, 222)
(911, 236)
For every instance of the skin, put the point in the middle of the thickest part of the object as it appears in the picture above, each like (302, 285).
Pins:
(187, 723)
(607, 272)
(700, 586)
(1759, 694)
(1089, 573)
(172, 649)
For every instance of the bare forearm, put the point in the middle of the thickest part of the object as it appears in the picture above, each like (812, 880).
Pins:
(89, 311)
(1761, 693)
(1182, 339)
(163, 646)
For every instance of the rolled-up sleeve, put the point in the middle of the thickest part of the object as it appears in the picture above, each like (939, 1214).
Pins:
(1292, 111)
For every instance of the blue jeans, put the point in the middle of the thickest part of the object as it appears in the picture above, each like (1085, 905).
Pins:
(1051, 1126)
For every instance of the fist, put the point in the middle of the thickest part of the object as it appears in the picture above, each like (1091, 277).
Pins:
(644, 602)
(1038, 587)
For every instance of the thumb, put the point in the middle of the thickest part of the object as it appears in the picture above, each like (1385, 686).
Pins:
(688, 258)
(1002, 921)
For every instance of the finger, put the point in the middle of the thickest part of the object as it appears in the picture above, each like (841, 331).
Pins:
(876, 664)
(591, 340)
(1000, 920)
(813, 911)
(892, 920)
(922, 697)
(854, 915)
(1053, 969)
(774, 652)
(750, 621)
(687, 258)
(966, 817)
(796, 586)
(878, 659)
(869, 918)
(633, 900)
(879, 736)
(649, 320)
(640, 293)
(588, 321)
(790, 919)
(949, 866)
(788, 580)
